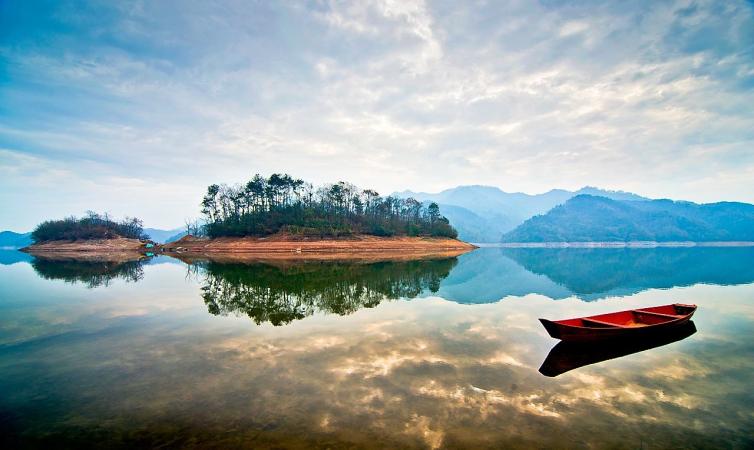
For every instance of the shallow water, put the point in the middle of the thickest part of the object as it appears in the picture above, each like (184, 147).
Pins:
(427, 354)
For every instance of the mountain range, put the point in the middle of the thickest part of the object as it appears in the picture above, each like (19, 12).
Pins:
(484, 213)
(487, 214)
(165, 236)
(587, 218)
(11, 239)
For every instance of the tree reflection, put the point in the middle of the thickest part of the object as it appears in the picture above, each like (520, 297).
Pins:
(90, 272)
(282, 294)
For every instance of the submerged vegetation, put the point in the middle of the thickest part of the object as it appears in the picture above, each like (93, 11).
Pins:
(280, 295)
(280, 203)
(91, 226)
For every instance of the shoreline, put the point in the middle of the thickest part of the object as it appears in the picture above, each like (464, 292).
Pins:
(276, 247)
(91, 246)
(630, 244)
(285, 247)
(284, 260)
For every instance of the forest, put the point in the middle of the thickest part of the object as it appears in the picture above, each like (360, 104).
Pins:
(91, 226)
(280, 203)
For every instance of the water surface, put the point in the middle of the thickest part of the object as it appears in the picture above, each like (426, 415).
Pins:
(425, 354)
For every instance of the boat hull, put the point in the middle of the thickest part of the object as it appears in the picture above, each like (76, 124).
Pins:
(644, 322)
(566, 356)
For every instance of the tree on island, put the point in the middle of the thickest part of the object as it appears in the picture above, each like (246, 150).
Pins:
(281, 203)
(91, 226)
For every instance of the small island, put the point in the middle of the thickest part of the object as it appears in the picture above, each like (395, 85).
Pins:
(94, 236)
(282, 217)
(272, 218)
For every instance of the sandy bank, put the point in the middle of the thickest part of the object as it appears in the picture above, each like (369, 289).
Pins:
(288, 247)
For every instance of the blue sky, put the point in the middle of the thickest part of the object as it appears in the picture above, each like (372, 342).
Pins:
(135, 107)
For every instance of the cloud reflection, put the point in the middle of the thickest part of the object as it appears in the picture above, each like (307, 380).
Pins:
(407, 374)
(426, 373)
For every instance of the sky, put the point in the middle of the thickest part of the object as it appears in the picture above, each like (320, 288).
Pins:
(134, 107)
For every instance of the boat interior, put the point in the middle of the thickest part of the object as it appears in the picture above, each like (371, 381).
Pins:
(634, 318)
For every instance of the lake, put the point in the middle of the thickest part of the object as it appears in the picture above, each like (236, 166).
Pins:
(424, 354)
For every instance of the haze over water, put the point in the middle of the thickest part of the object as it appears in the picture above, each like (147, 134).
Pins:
(423, 354)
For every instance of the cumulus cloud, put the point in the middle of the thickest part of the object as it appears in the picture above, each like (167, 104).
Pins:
(647, 97)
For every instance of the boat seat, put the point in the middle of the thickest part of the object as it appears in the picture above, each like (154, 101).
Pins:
(652, 313)
(599, 322)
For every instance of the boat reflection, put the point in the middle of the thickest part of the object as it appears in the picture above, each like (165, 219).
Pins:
(566, 356)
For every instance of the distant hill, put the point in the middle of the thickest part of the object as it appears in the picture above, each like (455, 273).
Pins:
(473, 227)
(484, 213)
(10, 239)
(587, 218)
(164, 236)
(175, 237)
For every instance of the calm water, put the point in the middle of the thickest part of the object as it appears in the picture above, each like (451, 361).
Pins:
(426, 354)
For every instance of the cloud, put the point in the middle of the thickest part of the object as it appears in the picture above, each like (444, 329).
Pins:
(392, 95)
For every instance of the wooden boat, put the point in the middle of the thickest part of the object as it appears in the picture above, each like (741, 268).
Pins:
(622, 324)
(567, 356)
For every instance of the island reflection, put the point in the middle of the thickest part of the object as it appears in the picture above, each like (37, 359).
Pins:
(92, 272)
(282, 293)
(592, 272)
(490, 274)
(145, 365)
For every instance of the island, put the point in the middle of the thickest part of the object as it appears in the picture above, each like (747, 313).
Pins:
(278, 217)
(94, 237)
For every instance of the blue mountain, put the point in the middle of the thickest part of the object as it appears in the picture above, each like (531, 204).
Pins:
(586, 218)
(164, 236)
(10, 239)
(485, 213)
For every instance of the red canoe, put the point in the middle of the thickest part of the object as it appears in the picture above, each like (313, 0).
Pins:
(634, 322)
